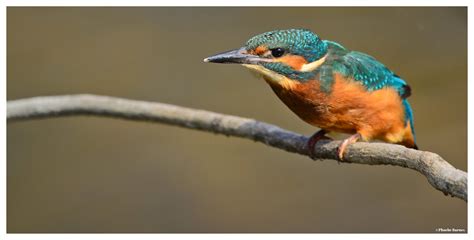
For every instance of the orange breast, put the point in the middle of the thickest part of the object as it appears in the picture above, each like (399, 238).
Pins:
(348, 108)
(294, 61)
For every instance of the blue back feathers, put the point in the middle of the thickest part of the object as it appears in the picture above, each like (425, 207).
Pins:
(365, 69)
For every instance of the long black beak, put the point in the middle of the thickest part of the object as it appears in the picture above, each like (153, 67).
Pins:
(236, 56)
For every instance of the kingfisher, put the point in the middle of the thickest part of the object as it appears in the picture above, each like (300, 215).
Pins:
(330, 86)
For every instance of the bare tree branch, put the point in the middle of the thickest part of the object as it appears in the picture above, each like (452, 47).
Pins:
(440, 174)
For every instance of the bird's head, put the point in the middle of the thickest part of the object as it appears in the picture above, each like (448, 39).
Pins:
(281, 54)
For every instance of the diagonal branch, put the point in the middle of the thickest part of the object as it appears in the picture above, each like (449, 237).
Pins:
(440, 174)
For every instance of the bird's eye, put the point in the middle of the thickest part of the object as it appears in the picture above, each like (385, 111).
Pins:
(277, 52)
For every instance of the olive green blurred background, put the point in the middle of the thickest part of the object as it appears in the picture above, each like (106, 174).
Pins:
(89, 174)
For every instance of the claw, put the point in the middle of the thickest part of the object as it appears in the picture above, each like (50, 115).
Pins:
(319, 135)
(350, 140)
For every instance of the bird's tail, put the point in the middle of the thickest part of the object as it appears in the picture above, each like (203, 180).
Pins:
(410, 141)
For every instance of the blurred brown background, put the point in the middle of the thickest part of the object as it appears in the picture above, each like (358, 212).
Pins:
(88, 174)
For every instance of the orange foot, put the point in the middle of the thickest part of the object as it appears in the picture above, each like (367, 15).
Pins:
(319, 135)
(350, 140)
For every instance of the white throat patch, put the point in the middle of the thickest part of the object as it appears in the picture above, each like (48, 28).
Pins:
(271, 77)
(261, 71)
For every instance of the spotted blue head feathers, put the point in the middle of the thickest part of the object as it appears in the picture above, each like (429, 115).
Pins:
(301, 42)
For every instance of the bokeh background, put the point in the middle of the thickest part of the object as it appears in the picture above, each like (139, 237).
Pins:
(89, 174)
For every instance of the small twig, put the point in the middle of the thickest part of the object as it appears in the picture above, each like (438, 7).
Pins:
(440, 174)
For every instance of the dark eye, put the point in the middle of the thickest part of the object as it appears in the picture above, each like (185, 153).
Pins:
(278, 52)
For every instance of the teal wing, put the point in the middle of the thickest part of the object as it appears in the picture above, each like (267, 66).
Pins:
(372, 74)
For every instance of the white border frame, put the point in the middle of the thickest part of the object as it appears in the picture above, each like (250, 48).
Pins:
(7, 3)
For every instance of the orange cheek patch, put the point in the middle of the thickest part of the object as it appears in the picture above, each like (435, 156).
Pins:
(294, 61)
(260, 50)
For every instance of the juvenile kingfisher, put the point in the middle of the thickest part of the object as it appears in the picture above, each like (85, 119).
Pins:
(329, 86)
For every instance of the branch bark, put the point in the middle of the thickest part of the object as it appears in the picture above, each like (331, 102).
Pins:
(440, 174)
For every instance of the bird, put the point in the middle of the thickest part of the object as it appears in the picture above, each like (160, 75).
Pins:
(330, 87)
